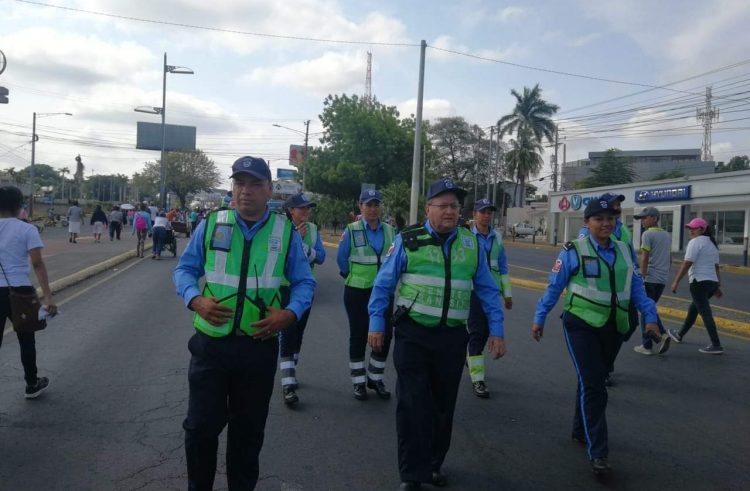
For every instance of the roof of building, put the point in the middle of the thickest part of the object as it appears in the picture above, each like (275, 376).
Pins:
(650, 153)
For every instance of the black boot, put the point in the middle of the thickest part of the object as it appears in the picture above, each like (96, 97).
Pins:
(379, 387)
(360, 393)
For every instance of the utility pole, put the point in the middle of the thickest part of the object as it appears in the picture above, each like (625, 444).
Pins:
(31, 169)
(477, 151)
(489, 161)
(496, 172)
(304, 169)
(368, 79)
(417, 138)
(707, 116)
(555, 168)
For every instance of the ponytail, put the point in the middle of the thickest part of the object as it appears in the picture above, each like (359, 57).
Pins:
(709, 233)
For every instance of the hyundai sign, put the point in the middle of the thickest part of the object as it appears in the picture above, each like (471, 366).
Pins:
(675, 193)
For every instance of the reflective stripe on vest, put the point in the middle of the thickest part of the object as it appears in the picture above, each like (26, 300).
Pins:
(437, 293)
(265, 258)
(590, 298)
(364, 262)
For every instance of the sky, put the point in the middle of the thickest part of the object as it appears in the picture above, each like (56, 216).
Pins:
(100, 67)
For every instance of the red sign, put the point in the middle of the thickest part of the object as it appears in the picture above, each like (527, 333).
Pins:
(564, 204)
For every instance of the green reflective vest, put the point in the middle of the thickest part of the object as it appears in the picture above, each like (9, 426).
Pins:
(598, 291)
(364, 262)
(437, 288)
(310, 238)
(248, 269)
(493, 255)
(625, 235)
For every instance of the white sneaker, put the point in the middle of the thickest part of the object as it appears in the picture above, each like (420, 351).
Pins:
(644, 351)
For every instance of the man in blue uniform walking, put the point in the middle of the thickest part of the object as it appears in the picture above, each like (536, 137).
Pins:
(244, 254)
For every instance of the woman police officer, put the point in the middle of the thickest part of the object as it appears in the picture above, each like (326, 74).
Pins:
(601, 281)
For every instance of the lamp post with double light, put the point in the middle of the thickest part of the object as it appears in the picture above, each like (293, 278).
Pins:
(306, 133)
(34, 138)
(179, 70)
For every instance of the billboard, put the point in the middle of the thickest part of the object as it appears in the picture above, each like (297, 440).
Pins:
(284, 187)
(287, 174)
(177, 138)
(296, 155)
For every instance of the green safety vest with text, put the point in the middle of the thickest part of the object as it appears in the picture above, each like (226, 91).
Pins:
(437, 288)
(364, 262)
(310, 238)
(598, 291)
(239, 268)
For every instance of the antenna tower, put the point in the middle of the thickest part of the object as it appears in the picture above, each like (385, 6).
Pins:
(368, 79)
(707, 116)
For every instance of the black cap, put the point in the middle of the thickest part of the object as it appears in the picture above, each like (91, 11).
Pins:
(254, 166)
(649, 211)
(445, 185)
(299, 200)
(612, 197)
(598, 207)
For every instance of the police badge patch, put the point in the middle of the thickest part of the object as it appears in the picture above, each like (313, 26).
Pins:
(221, 240)
(274, 244)
(358, 238)
(467, 242)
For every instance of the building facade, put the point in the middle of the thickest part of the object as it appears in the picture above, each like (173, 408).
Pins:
(722, 199)
(645, 163)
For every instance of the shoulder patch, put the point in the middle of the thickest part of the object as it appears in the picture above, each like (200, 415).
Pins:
(557, 266)
(390, 249)
(568, 245)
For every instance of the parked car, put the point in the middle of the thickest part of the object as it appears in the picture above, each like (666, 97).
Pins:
(522, 230)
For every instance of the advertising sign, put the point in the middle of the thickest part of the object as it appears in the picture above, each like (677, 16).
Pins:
(177, 138)
(285, 187)
(286, 174)
(674, 193)
(296, 155)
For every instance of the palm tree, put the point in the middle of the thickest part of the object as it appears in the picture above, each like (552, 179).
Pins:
(63, 171)
(531, 112)
(523, 160)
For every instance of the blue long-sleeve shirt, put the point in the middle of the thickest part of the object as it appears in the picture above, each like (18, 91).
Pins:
(297, 270)
(486, 242)
(567, 264)
(375, 239)
(396, 263)
(317, 253)
(145, 215)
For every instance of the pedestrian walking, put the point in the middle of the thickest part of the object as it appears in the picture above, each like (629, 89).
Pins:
(701, 264)
(19, 243)
(362, 250)
(98, 222)
(142, 227)
(598, 275)
(298, 207)
(437, 265)
(115, 223)
(159, 233)
(244, 254)
(75, 217)
(622, 233)
(655, 261)
(491, 244)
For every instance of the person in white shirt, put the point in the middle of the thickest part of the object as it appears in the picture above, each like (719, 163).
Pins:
(19, 242)
(702, 265)
(161, 225)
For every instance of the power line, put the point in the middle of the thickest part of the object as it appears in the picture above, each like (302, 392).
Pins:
(216, 29)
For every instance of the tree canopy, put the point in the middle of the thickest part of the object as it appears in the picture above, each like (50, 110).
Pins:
(612, 169)
(531, 112)
(456, 148)
(187, 172)
(738, 162)
(523, 160)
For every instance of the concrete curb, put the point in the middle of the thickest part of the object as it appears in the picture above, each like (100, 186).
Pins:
(86, 273)
(724, 324)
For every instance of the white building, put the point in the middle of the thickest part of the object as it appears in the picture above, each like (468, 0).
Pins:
(722, 199)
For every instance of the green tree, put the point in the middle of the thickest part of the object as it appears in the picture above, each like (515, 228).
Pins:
(187, 172)
(735, 163)
(455, 143)
(44, 175)
(397, 199)
(361, 143)
(531, 112)
(523, 160)
(668, 174)
(612, 169)
(332, 212)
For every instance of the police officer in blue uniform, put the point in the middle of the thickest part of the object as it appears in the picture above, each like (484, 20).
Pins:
(601, 281)
(243, 254)
(438, 265)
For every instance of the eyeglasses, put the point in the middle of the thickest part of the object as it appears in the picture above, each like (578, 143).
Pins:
(446, 206)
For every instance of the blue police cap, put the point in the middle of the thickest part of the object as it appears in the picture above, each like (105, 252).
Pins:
(299, 200)
(612, 197)
(254, 166)
(445, 185)
(598, 207)
(483, 204)
(370, 195)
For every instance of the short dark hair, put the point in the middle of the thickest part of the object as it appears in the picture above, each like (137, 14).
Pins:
(11, 199)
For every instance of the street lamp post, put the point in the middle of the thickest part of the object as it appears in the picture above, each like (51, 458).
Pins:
(307, 134)
(34, 138)
(179, 70)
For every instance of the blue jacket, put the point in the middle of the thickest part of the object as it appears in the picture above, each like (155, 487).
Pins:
(297, 270)
(396, 263)
(567, 265)
(145, 215)
(486, 242)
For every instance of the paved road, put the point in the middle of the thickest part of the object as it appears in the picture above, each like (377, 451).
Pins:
(117, 360)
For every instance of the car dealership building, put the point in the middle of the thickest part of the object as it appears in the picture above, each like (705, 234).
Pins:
(722, 199)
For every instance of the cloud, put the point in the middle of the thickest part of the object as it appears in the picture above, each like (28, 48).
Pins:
(333, 72)
(511, 14)
(513, 52)
(431, 108)
(558, 37)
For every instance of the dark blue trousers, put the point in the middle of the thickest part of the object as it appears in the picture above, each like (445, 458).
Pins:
(290, 339)
(231, 381)
(479, 326)
(653, 291)
(592, 350)
(429, 363)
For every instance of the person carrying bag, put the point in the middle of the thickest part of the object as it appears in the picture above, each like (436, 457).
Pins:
(19, 242)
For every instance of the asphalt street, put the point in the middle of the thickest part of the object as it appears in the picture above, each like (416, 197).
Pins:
(117, 360)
